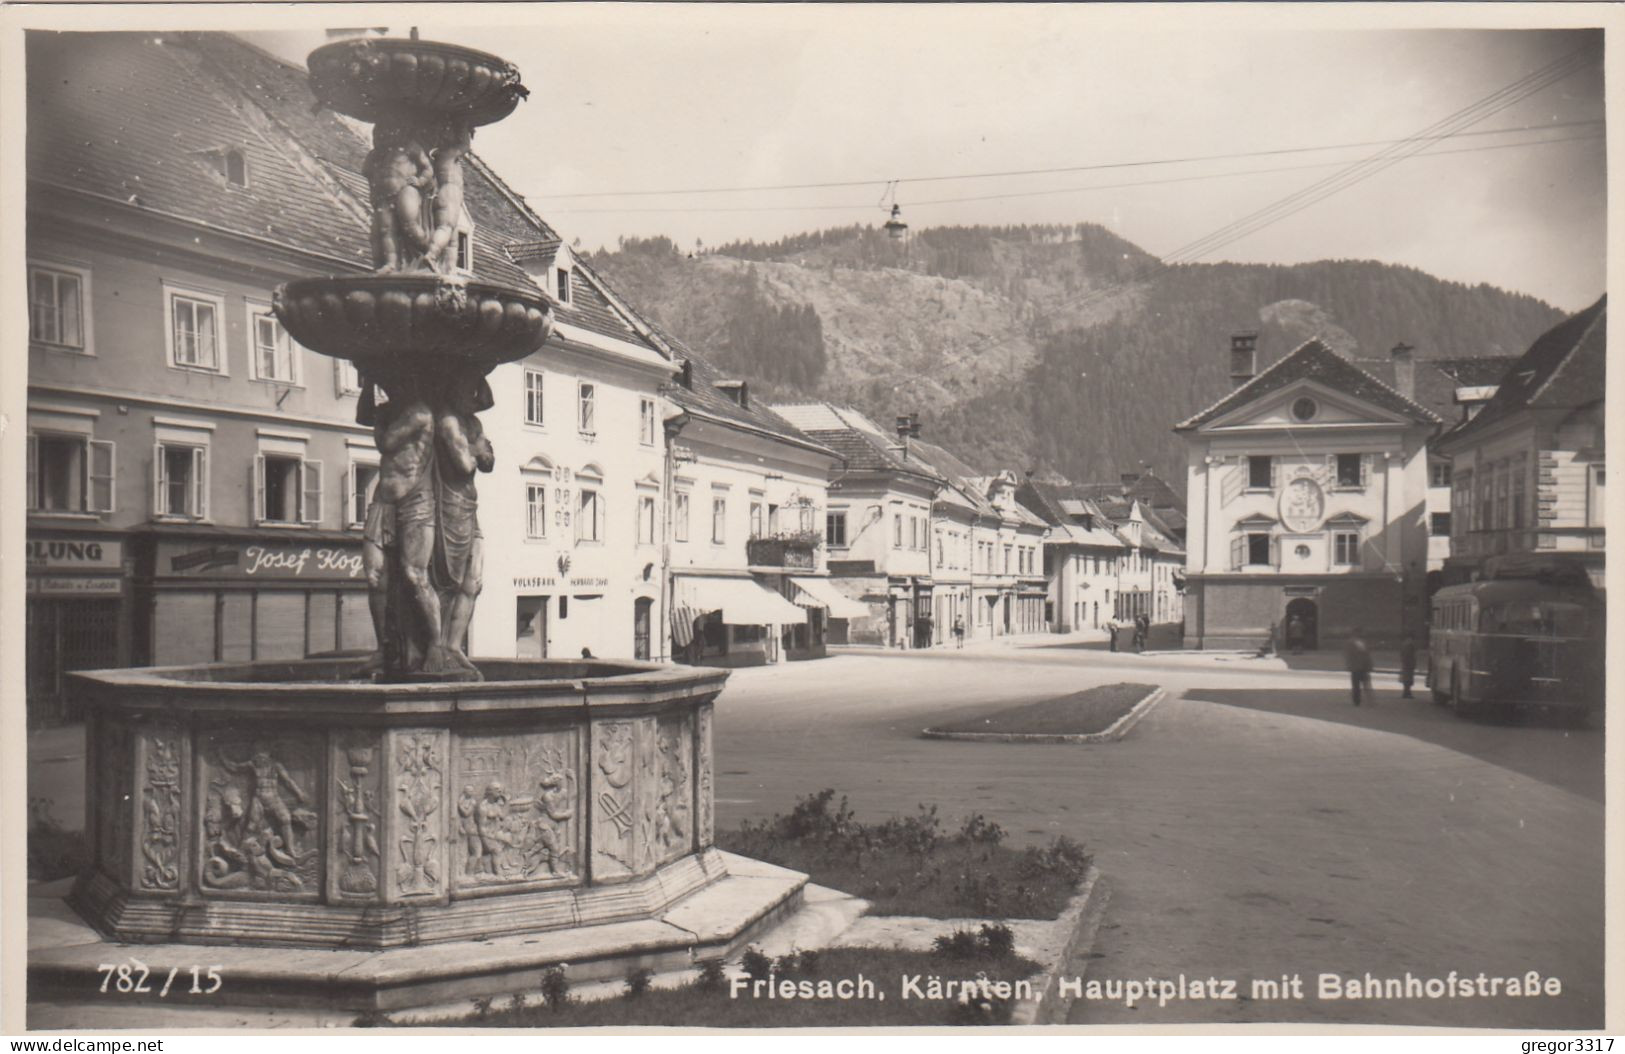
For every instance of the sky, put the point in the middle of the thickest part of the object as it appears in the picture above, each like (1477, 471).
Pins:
(667, 98)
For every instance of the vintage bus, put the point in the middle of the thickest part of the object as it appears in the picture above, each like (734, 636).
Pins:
(1523, 640)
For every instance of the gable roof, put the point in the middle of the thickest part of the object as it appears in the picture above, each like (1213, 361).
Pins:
(1314, 361)
(703, 397)
(857, 439)
(1436, 380)
(128, 117)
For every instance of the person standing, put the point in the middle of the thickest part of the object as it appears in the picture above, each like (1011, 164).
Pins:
(1111, 633)
(1357, 657)
(1407, 664)
(959, 632)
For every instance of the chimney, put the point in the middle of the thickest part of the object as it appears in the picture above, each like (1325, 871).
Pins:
(914, 425)
(1243, 358)
(1404, 369)
(905, 426)
(1129, 479)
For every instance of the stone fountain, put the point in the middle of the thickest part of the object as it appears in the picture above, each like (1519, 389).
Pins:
(421, 797)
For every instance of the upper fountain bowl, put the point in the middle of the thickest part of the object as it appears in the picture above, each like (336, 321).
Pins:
(373, 78)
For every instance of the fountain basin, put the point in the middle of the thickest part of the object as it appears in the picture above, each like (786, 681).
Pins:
(373, 79)
(409, 319)
(280, 804)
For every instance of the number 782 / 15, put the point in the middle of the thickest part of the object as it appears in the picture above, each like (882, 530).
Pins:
(136, 977)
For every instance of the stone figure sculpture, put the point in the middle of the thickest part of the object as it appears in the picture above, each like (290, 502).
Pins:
(462, 449)
(401, 178)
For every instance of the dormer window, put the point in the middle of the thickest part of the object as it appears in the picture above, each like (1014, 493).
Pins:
(564, 284)
(229, 163)
(465, 251)
(738, 392)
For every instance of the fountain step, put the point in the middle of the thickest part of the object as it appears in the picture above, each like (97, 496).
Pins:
(68, 961)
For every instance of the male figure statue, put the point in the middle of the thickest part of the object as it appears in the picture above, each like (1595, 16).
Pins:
(462, 449)
(448, 196)
(399, 536)
(399, 174)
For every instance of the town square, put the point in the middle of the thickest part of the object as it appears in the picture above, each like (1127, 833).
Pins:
(479, 578)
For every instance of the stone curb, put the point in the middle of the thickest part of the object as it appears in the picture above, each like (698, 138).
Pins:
(1083, 913)
(1118, 729)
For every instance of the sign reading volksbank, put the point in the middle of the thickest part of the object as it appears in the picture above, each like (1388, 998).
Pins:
(222, 559)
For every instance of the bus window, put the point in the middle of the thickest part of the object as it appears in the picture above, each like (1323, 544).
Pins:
(1543, 619)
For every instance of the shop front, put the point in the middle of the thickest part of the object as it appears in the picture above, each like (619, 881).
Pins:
(721, 620)
(76, 613)
(824, 603)
(235, 595)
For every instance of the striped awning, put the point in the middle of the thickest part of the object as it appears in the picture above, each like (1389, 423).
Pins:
(741, 600)
(821, 592)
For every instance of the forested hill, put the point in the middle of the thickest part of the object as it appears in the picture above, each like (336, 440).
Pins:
(1047, 348)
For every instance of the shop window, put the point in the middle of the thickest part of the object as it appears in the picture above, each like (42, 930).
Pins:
(287, 489)
(69, 473)
(1346, 548)
(586, 400)
(679, 517)
(181, 483)
(534, 382)
(56, 307)
(194, 331)
(275, 356)
(589, 515)
(361, 483)
(646, 421)
(646, 519)
(835, 530)
(1260, 472)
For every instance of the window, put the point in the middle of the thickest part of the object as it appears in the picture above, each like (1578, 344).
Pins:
(465, 251)
(897, 530)
(1258, 550)
(181, 486)
(913, 532)
(1520, 470)
(646, 519)
(835, 530)
(361, 483)
(288, 489)
(1305, 408)
(679, 526)
(719, 520)
(1503, 519)
(564, 285)
(536, 509)
(533, 397)
(755, 519)
(646, 422)
(229, 164)
(1007, 559)
(56, 307)
(1439, 524)
(1597, 497)
(584, 414)
(1461, 501)
(805, 518)
(346, 381)
(275, 356)
(1260, 472)
(1345, 548)
(194, 332)
(589, 515)
(1349, 472)
(1438, 473)
(773, 520)
(69, 473)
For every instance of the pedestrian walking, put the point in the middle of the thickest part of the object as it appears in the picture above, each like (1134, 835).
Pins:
(1407, 664)
(959, 632)
(1111, 633)
(1139, 633)
(1357, 657)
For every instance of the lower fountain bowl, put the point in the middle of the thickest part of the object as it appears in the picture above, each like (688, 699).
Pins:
(283, 804)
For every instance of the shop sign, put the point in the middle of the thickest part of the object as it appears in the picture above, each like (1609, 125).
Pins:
(75, 585)
(259, 560)
(75, 554)
(589, 581)
(534, 581)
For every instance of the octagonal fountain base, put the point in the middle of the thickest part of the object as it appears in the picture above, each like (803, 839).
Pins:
(280, 804)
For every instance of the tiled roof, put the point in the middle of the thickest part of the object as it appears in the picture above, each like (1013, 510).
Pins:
(1436, 380)
(861, 443)
(1313, 360)
(1564, 367)
(704, 397)
(131, 115)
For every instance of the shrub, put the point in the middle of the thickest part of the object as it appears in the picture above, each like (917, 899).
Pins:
(757, 966)
(979, 830)
(482, 1005)
(372, 1019)
(812, 817)
(712, 976)
(960, 944)
(809, 961)
(992, 942)
(556, 987)
(517, 1002)
(996, 940)
(638, 980)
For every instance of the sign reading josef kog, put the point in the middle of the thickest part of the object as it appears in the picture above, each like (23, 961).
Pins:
(218, 559)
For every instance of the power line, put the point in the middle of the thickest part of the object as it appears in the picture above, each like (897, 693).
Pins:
(1043, 171)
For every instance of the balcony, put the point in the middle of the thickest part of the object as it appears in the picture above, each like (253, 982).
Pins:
(796, 551)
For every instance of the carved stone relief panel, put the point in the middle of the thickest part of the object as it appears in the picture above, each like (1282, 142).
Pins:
(160, 816)
(705, 791)
(417, 784)
(671, 799)
(614, 798)
(518, 802)
(356, 816)
(261, 813)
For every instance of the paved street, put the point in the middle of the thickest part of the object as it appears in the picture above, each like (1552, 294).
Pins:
(1253, 824)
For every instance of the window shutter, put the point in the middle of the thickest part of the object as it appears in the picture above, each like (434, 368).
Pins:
(311, 506)
(101, 475)
(349, 494)
(1365, 469)
(33, 472)
(259, 488)
(1238, 552)
(200, 483)
(159, 479)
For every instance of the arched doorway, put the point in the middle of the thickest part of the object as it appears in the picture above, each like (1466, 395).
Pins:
(1305, 634)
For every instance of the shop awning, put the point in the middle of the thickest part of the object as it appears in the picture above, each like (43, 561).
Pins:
(741, 601)
(821, 592)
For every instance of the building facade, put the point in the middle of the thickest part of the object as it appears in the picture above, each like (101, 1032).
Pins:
(1529, 470)
(1307, 488)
